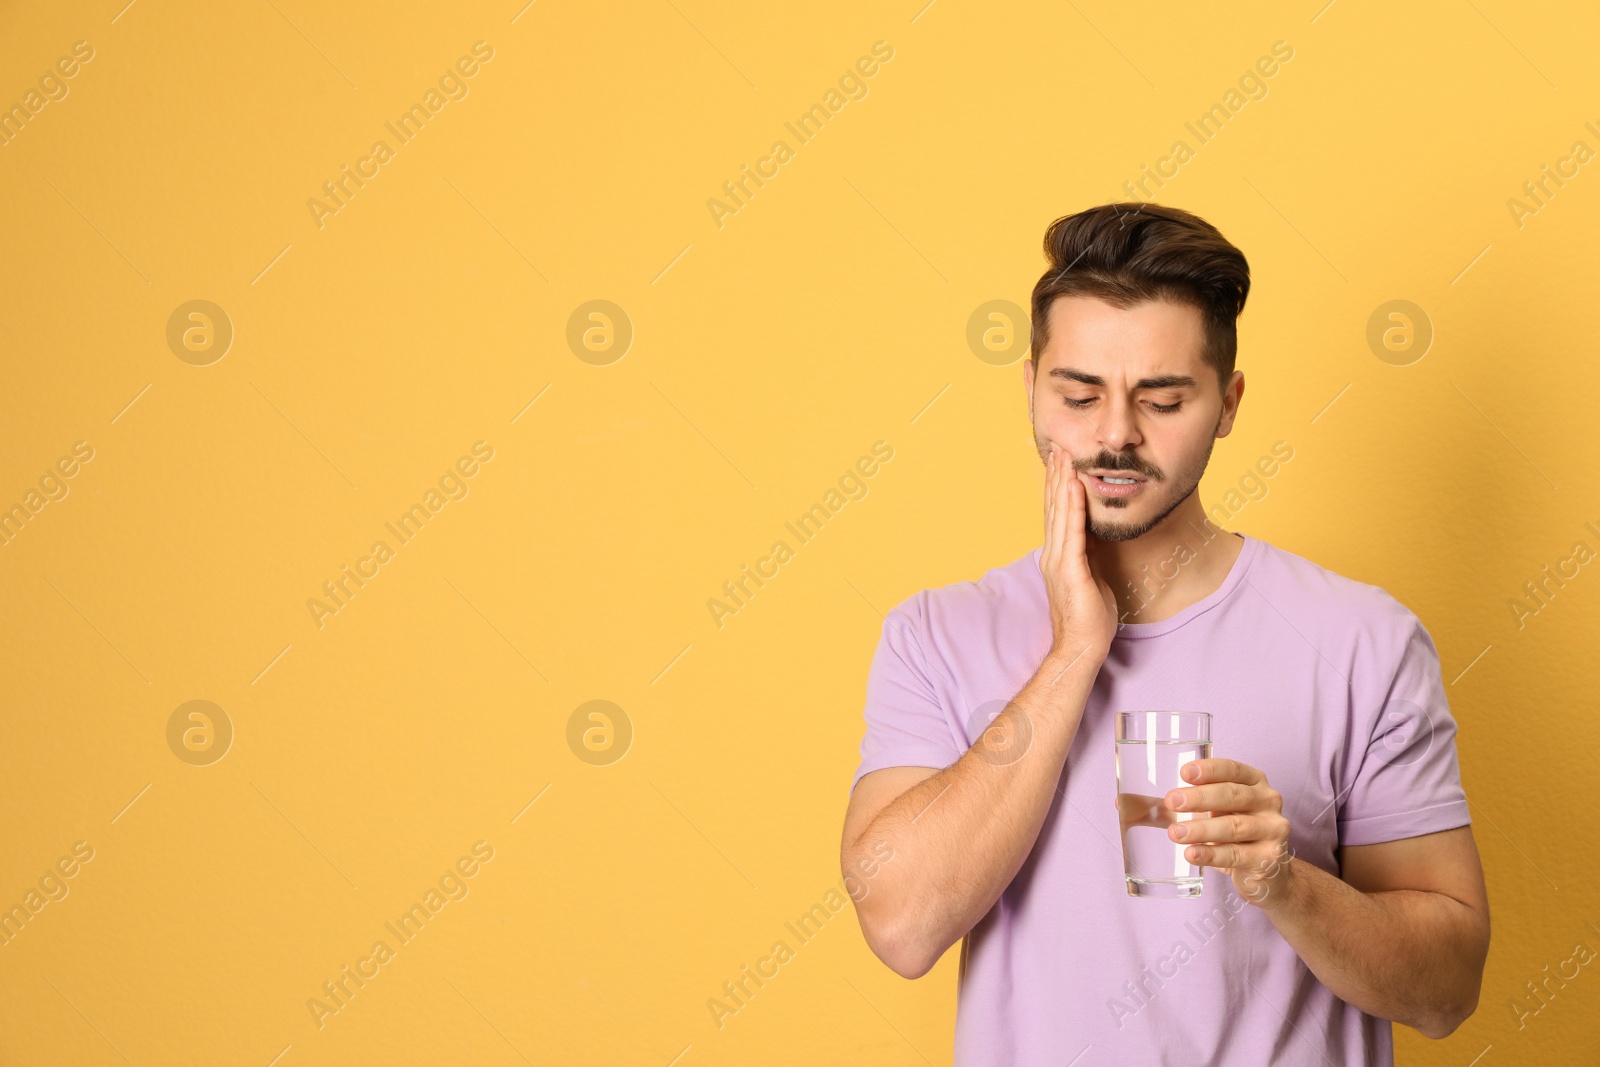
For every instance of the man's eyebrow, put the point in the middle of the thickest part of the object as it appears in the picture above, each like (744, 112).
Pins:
(1165, 381)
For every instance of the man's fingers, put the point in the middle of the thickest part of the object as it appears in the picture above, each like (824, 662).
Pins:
(1224, 856)
(1220, 796)
(1222, 828)
(1049, 494)
(1218, 769)
(1049, 508)
(1057, 524)
(1077, 506)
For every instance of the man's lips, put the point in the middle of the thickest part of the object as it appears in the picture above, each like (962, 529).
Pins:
(1116, 489)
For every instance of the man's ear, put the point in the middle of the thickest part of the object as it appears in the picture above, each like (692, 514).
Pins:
(1231, 396)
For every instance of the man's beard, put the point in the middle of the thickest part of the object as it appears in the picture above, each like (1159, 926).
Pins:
(1128, 531)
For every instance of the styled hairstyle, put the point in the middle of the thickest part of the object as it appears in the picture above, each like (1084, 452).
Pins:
(1126, 254)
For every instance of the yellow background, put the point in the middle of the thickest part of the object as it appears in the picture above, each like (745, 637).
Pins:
(768, 355)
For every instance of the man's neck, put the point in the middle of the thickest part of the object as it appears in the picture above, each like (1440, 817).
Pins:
(1181, 561)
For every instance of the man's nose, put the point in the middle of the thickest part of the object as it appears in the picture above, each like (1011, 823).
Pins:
(1119, 426)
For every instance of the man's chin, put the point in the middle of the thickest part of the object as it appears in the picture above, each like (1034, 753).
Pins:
(1109, 526)
(1117, 531)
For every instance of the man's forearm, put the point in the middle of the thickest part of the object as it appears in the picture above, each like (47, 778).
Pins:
(961, 835)
(1406, 955)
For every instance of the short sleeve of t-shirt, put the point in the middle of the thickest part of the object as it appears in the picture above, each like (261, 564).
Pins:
(906, 725)
(1406, 779)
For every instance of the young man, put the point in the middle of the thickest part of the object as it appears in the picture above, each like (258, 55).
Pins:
(1342, 886)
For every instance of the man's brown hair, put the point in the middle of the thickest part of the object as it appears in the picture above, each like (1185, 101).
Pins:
(1126, 254)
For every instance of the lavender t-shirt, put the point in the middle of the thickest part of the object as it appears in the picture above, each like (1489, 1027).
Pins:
(1329, 686)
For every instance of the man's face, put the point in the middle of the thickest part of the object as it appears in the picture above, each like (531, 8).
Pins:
(1128, 394)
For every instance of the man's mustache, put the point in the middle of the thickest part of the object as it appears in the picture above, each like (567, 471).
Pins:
(1107, 461)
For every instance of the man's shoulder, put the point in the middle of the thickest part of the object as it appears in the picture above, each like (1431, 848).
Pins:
(1320, 598)
(1002, 589)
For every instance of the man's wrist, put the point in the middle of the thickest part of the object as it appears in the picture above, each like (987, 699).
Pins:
(1067, 657)
(1278, 887)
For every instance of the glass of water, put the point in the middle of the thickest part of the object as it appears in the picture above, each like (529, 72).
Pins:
(1152, 746)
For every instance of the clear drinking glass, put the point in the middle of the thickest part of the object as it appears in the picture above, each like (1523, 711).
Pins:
(1152, 746)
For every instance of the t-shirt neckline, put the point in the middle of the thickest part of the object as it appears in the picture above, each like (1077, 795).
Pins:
(1138, 631)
